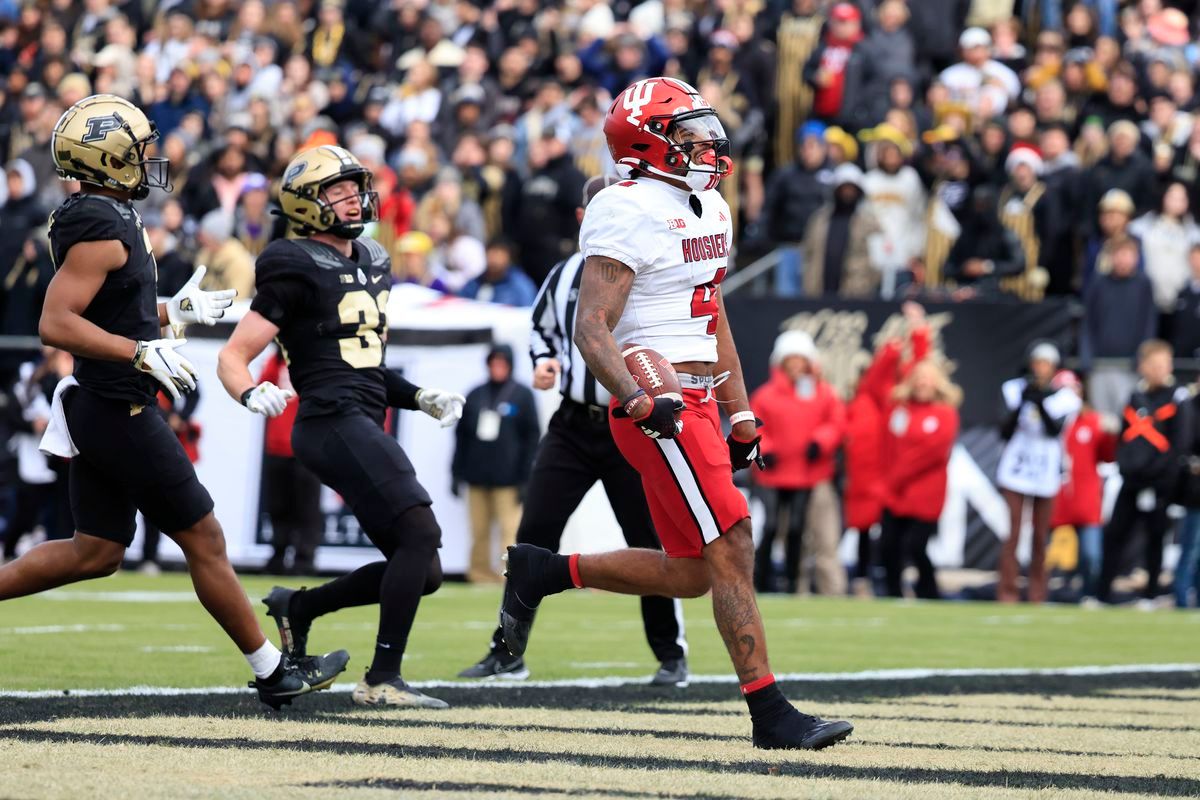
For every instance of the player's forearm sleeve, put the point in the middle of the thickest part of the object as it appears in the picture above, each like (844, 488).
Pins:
(400, 393)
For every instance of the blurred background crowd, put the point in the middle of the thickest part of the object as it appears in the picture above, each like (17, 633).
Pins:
(944, 150)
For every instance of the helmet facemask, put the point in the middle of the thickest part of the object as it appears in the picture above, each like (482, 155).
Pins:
(699, 149)
(368, 200)
(156, 170)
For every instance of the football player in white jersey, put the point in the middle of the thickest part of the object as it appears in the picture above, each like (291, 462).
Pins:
(656, 246)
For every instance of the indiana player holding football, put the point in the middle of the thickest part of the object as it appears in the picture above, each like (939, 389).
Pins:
(656, 246)
(102, 307)
(324, 298)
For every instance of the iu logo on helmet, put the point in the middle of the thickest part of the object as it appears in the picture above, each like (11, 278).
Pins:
(100, 127)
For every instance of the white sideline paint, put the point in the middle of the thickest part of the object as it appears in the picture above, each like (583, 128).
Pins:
(120, 597)
(37, 629)
(608, 683)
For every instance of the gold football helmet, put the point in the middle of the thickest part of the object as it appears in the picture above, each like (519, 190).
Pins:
(102, 140)
(302, 193)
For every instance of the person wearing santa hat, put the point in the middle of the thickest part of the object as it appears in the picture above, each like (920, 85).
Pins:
(1025, 212)
(1089, 441)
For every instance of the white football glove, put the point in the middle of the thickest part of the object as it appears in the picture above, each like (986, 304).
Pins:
(193, 304)
(159, 360)
(441, 405)
(267, 399)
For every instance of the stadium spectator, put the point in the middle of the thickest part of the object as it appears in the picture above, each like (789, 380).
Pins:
(410, 262)
(842, 72)
(985, 252)
(253, 224)
(922, 425)
(1059, 248)
(1031, 215)
(1031, 465)
(896, 198)
(230, 265)
(981, 83)
(541, 216)
(794, 193)
(1116, 211)
(1125, 168)
(496, 441)
(1155, 438)
(804, 422)
(936, 26)
(1088, 441)
(836, 241)
(1167, 235)
(502, 281)
(892, 45)
(1186, 325)
(1107, 350)
(291, 493)
(457, 258)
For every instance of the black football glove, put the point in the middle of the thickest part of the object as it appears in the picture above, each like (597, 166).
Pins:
(658, 419)
(743, 454)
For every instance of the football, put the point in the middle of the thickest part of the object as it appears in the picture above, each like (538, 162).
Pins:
(652, 371)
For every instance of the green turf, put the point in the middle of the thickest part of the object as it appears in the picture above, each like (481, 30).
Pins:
(579, 634)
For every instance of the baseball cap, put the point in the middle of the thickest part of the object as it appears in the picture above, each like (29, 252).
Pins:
(974, 37)
(1045, 351)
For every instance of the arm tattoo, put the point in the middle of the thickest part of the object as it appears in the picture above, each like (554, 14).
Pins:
(603, 290)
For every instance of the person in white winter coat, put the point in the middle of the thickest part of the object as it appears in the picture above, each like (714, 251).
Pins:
(1167, 235)
(894, 194)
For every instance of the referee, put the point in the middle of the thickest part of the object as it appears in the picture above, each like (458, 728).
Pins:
(577, 451)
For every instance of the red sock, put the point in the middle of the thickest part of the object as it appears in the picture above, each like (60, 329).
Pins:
(758, 683)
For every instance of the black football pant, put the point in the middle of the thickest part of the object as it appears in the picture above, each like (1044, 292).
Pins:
(1121, 525)
(352, 454)
(577, 451)
(904, 540)
(790, 506)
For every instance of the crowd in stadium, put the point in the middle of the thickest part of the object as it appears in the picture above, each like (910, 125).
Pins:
(932, 149)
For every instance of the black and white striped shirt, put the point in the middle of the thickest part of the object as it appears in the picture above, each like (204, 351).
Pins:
(554, 330)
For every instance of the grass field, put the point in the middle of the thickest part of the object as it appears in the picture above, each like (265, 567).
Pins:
(1132, 734)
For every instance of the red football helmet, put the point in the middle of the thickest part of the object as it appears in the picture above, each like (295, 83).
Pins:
(663, 126)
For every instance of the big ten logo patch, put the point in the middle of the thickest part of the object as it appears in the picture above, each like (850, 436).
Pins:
(847, 347)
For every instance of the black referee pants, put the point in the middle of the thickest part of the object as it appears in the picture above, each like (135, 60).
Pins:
(577, 451)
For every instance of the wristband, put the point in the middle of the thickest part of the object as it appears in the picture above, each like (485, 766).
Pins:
(741, 416)
(246, 395)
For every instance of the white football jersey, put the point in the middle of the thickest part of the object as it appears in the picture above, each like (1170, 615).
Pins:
(679, 259)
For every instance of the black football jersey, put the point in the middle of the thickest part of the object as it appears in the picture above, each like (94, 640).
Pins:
(127, 303)
(334, 335)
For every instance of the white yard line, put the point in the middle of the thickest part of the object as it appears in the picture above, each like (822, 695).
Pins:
(604, 683)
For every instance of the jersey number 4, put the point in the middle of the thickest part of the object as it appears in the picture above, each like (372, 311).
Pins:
(704, 302)
(364, 348)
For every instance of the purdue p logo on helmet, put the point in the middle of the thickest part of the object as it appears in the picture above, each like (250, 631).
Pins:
(302, 193)
(102, 140)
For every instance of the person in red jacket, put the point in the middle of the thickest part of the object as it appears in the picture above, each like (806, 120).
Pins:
(922, 427)
(291, 493)
(866, 428)
(803, 425)
(1089, 440)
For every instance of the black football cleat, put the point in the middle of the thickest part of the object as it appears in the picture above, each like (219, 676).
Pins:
(522, 594)
(497, 666)
(300, 677)
(293, 630)
(792, 730)
(673, 672)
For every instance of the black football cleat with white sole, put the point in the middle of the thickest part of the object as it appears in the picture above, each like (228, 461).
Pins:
(497, 666)
(522, 594)
(792, 730)
(293, 630)
(301, 676)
